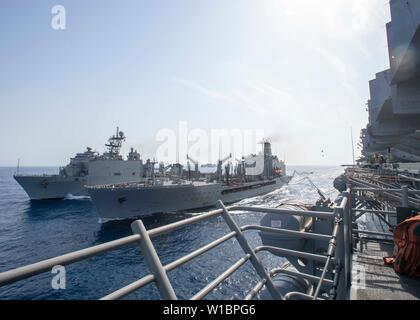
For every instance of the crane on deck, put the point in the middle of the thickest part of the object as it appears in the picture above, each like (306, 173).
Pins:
(196, 171)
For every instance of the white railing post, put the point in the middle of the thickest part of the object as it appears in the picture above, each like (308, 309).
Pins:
(248, 250)
(152, 259)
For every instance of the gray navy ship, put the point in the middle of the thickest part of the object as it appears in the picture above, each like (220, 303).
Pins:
(86, 169)
(179, 189)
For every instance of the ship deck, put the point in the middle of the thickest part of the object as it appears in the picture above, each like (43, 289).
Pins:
(372, 280)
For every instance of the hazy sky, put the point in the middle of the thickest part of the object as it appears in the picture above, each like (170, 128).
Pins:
(298, 69)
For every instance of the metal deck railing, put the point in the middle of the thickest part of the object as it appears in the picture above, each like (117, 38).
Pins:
(393, 187)
(334, 275)
(371, 193)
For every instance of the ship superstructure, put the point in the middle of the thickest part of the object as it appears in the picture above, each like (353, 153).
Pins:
(393, 131)
(86, 169)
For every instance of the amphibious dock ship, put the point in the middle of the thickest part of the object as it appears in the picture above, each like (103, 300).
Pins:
(86, 169)
(254, 175)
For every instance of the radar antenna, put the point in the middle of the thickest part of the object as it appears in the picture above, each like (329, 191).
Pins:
(114, 144)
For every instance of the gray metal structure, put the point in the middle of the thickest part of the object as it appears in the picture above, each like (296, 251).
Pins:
(380, 199)
(86, 169)
(179, 191)
(394, 105)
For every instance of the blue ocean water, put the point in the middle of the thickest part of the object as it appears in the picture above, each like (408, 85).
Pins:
(32, 231)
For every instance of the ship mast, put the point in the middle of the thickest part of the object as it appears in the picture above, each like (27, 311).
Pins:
(114, 144)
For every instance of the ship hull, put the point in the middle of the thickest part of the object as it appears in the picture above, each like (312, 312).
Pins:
(122, 203)
(231, 195)
(48, 187)
(51, 187)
